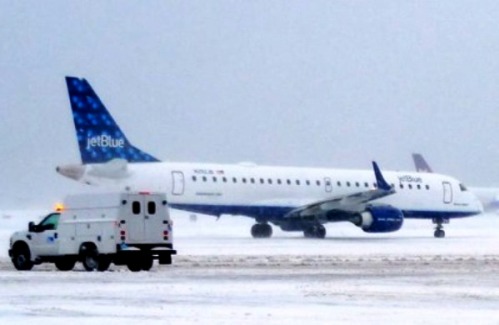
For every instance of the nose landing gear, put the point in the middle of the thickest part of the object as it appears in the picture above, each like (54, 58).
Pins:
(439, 228)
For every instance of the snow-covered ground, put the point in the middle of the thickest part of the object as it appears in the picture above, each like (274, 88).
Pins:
(223, 276)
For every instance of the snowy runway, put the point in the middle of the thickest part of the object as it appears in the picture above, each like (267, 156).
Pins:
(270, 289)
(222, 276)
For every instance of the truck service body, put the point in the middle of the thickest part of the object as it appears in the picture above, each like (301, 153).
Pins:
(127, 228)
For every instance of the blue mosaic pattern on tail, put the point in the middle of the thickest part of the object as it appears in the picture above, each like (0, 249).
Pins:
(99, 137)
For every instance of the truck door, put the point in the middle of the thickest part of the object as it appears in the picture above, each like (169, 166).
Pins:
(135, 219)
(45, 238)
(146, 216)
(155, 213)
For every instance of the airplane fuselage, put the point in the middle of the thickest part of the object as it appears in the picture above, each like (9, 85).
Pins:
(268, 193)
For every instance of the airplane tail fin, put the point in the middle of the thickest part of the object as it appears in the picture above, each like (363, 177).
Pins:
(99, 137)
(421, 164)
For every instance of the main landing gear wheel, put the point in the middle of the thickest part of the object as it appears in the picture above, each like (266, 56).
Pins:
(315, 231)
(261, 230)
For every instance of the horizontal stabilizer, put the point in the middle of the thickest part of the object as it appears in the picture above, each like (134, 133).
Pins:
(115, 169)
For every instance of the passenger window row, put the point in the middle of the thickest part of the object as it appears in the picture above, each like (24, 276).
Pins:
(307, 182)
(253, 180)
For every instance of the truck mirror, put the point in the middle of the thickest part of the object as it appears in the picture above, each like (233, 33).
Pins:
(31, 226)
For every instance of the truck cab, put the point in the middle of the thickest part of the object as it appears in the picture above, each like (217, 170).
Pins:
(44, 235)
(39, 240)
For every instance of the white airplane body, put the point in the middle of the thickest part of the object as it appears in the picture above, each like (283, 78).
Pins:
(295, 199)
(223, 187)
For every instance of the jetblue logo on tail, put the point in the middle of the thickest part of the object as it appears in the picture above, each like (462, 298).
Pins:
(105, 141)
(99, 137)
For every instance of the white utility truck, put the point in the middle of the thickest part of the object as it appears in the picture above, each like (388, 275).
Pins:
(127, 228)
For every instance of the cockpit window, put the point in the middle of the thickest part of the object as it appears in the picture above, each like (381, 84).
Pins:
(463, 188)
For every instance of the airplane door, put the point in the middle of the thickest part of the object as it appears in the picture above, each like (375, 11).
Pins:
(447, 187)
(178, 183)
(155, 212)
(328, 186)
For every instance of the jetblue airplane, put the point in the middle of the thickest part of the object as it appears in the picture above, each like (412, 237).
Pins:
(488, 196)
(292, 198)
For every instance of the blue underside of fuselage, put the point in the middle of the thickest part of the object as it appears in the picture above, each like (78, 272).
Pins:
(260, 213)
(275, 214)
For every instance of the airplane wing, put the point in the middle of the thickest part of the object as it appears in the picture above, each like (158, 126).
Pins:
(342, 207)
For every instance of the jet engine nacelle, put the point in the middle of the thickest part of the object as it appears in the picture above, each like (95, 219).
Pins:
(382, 218)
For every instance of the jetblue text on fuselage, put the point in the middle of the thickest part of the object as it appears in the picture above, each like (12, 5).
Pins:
(409, 178)
(105, 141)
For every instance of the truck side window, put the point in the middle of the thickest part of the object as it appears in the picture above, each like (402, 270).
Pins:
(136, 207)
(50, 222)
(151, 207)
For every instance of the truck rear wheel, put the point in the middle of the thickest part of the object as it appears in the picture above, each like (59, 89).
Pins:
(65, 264)
(147, 263)
(104, 263)
(134, 265)
(21, 258)
(89, 257)
(165, 259)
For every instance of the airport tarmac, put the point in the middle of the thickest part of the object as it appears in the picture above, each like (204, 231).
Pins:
(224, 276)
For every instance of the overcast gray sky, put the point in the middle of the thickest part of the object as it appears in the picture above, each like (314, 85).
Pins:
(303, 83)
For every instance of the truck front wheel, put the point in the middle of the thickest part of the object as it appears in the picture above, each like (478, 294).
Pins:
(21, 258)
(65, 264)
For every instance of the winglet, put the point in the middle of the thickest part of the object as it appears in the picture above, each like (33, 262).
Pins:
(380, 180)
